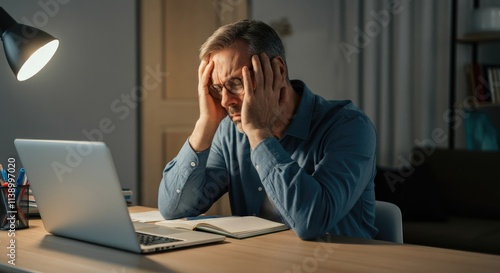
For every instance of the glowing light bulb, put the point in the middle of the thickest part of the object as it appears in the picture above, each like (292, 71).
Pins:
(37, 60)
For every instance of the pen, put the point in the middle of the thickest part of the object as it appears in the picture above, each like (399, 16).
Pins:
(20, 181)
(25, 181)
(20, 177)
(4, 173)
(201, 217)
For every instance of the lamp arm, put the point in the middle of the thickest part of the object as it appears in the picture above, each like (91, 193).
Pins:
(6, 21)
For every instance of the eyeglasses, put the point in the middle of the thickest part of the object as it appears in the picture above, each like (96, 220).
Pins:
(233, 86)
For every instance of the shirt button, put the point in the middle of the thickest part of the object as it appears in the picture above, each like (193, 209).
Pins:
(193, 164)
(259, 188)
(257, 167)
(178, 191)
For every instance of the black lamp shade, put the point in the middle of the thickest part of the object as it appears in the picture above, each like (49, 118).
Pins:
(28, 49)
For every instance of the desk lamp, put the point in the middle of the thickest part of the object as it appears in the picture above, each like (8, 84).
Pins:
(28, 49)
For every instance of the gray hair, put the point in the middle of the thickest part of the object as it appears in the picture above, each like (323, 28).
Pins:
(260, 37)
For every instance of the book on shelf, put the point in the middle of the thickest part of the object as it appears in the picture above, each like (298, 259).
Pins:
(127, 194)
(239, 227)
(484, 82)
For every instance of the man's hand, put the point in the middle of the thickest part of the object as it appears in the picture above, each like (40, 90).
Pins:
(262, 109)
(211, 111)
(210, 108)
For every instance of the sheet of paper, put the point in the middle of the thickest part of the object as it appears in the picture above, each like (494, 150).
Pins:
(148, 216)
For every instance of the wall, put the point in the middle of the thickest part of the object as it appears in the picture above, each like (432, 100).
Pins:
(310, 24)
(95, 65)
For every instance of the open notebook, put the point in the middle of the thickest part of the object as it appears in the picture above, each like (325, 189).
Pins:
(233, 226)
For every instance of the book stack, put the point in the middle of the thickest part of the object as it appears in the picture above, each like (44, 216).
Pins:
(484, 81)
(33, 208)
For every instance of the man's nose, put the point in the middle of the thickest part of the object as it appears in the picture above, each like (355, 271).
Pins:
(228, 99)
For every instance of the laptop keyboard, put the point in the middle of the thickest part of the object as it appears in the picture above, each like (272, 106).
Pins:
(147, 239)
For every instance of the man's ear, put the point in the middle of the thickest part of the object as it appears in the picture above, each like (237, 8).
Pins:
(283, 70)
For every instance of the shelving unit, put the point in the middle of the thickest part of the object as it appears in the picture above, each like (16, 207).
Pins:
(473, 39)
(479, 37)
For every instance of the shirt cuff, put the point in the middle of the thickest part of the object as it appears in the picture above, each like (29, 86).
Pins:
(191, 159)
(268, 154)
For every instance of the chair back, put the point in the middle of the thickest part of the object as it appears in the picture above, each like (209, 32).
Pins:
(389, 221)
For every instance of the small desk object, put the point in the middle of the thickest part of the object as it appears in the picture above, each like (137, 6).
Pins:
(36, 250)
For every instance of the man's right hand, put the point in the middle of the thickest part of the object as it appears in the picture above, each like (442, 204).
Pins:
(211, 110)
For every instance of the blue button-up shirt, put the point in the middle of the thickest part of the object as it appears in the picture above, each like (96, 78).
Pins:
(319, 175)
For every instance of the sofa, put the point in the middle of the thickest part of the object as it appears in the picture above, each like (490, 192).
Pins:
(448, 198)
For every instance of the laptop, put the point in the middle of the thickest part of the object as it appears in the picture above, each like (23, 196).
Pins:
(79, 196)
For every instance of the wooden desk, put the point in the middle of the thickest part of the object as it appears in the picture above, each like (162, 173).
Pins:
(36, 250)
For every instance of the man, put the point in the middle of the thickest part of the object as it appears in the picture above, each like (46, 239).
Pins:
(282, 152)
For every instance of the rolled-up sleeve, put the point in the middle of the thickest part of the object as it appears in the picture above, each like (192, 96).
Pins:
(187, 187)
(314, 203)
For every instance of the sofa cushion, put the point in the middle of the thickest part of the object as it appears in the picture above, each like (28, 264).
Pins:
(416, 194)
(470, 181)
(463, 233)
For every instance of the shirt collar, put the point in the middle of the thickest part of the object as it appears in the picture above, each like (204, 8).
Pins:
(301, 121)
